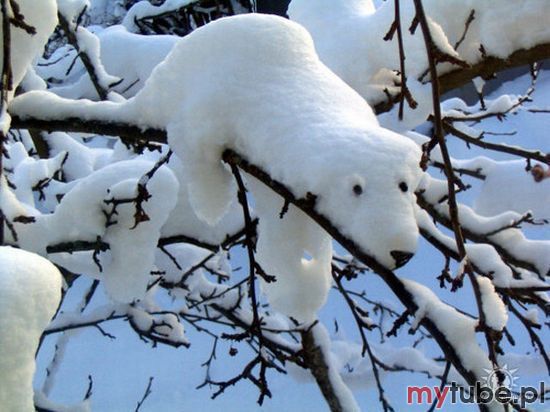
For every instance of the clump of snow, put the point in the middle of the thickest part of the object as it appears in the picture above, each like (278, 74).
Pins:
(363, 175)
(128, 272)
(30, 291)
(88, 43)
(184, 220)
(128, 56)
(459, 330)
(297, 252)
(533, 316)
(496, 315)
(42, 401)
(349, 39)
(125, 278)
(412, 117)
(42, 15)
(29, 173)
(72, 8)
(498, 227)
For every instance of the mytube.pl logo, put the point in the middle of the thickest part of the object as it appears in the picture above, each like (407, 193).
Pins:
(498, 386)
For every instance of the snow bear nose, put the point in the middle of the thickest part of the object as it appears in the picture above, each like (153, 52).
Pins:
(401, 258)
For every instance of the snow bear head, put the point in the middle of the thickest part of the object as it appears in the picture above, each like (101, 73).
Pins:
(367, 192)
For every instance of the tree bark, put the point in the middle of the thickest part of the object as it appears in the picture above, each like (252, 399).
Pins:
(317, 364)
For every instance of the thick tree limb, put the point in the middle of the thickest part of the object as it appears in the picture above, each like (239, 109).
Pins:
(491, 65)
(129, 132)
(485, 68)
(317, 364)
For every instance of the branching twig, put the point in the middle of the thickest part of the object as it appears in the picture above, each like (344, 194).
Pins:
(145, 394)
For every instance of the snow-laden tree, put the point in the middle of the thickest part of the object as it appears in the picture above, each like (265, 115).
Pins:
(295, 193)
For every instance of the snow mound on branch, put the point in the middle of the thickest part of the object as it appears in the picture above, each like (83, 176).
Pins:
(81, 215)
(30, 291)
(496, 315)
(184, 220)
(349, 35)
(128, 56)
(290, 115)
(459, 330)
(42, 15)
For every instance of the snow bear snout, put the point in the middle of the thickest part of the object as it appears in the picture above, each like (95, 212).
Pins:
(401, 258)
(392, 242)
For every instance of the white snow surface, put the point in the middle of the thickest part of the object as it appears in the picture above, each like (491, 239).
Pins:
(458, 329)
(342, 392)
(508, 186)
(30, 291)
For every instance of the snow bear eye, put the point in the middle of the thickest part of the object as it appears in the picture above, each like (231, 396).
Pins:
(357, 190)
(404, 187)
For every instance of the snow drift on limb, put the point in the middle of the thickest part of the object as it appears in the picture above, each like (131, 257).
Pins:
(30, 291)
(81, 214)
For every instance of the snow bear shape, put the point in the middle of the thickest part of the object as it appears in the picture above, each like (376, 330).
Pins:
(254, 83)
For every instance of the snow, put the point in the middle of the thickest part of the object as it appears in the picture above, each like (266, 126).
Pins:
(43, 402)
(28, 172)
(127, 56)
(42, 15)
(336, 127)
(458, 329)
(342, 392)
(72, 8)
(533, 316)
(339, 30)
(479, 83)
(288, 114)
(30, 292)
(297, 252)
(339, 125)
(496, 315)
(87, 42)
(496, 228)
(411, 117)
(80, 215)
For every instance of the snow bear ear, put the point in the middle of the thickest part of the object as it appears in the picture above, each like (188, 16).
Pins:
(211, 191)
